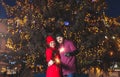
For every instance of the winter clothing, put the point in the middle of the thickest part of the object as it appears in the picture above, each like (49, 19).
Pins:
(59, 34)
(49, 39)
(67, 62)
(73, 53)
(54, 69)
(53, 59)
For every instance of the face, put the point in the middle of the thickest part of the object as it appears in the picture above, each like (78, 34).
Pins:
(52, 44)
(59, 39)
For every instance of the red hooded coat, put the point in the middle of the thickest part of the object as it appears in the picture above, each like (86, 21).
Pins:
(53, 70)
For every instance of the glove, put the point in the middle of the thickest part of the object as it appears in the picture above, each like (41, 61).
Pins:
(68, 54)
(73, 53)
(51, 62)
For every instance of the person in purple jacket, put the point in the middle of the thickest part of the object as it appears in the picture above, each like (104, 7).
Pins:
(67, 53)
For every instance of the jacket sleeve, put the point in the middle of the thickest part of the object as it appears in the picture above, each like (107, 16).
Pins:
(72, 46)
(73, 49)
(48, 55)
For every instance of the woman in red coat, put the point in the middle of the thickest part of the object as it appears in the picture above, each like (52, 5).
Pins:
(52, 58)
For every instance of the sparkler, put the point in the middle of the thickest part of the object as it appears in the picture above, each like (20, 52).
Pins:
(62, 49)
(57, 60)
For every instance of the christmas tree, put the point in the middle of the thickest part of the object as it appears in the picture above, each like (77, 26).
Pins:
(83, 21)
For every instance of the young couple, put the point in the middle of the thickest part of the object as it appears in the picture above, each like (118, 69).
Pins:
(61, 57)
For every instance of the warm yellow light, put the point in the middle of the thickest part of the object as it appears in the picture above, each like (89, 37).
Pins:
(57, 60)
(111, 53)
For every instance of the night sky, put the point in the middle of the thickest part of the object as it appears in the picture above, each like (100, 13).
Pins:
(113, 9)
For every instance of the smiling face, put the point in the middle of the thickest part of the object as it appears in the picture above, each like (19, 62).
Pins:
(59, 39)
(52, 44)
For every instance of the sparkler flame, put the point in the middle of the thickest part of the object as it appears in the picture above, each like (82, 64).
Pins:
(57, 60)
(62, 49)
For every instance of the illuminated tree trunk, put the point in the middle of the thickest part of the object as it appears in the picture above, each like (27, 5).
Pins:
(3, 32)
(2, 45)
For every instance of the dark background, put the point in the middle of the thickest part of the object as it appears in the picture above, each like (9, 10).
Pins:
(113, 9)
